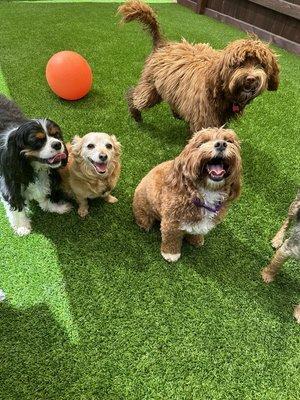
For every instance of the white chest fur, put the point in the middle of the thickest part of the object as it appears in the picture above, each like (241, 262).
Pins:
(211, 199)
(40, 188)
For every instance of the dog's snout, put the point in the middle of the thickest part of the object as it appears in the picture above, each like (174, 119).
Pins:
(221, 145)
(250, 79)
(102, 157)
(56, 145)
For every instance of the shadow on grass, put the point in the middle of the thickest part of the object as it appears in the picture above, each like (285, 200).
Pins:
(262, 173)
(243, 264)
(226, 259)
(93, 100)
(37, 361)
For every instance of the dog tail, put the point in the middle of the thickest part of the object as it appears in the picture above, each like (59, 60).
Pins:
(138, 10)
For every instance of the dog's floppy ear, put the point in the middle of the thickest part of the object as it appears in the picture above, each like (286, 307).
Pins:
(76, 145)
(15, 168)
(236, 183)
(117, 145)
(235, 188)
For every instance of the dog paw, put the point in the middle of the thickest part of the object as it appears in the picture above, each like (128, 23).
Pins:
(111, 199)
(276, 242)
(83, 212)
(62, 208)
(195, 240)
(267, 276)
(22, 230)
(2, 295)
(171, 257)
(297, 313)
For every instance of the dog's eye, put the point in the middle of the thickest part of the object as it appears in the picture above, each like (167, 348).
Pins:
(229, 141)
(108, 146)
(90, 146)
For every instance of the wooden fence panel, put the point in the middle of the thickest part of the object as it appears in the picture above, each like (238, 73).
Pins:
(277, 21)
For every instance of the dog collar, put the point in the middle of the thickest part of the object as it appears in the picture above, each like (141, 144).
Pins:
(198, 203)
(235, 108)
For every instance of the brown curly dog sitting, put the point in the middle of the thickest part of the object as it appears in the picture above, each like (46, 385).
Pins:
(191, 194)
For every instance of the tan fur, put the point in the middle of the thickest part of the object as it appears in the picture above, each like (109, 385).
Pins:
(201, 84)
(80, 179)
(166, 193)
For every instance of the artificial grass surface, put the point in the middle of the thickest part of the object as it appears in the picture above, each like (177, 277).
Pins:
(92, 310)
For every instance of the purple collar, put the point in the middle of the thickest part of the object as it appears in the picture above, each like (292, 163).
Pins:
(198, 203)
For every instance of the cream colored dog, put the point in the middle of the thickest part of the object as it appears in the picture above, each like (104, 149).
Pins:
(93, 169)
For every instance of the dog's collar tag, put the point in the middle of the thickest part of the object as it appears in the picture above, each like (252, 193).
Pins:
(198, 203)
(235, 108)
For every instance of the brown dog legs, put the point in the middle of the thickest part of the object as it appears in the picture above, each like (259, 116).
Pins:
(171, 242)
(144, 95)
(141, 210)
(195, 240)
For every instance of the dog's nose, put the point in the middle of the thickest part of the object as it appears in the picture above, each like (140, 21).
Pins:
(221, 145)
(102, 157)
(250, 79)
(56, 145)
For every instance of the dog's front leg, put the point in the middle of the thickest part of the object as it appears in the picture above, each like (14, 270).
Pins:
(18, 220)
(268, 273)
(83, 208)
(278, 238)
(171, 242)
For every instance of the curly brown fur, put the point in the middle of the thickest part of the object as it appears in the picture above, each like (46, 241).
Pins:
(208, 171)
(141, 12)
(287, 244)
(206, 87)
(93, 169)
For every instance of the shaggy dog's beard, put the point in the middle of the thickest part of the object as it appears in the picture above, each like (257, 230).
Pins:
(210, 169)
(241, 91)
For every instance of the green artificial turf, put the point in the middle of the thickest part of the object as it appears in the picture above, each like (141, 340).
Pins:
(92, 310)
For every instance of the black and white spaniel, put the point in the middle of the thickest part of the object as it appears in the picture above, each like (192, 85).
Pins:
(31, 151)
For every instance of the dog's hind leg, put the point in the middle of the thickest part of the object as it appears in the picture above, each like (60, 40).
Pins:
(268, 273)
(195, 240)
(142, 213)
(175, 114)
(143, 96)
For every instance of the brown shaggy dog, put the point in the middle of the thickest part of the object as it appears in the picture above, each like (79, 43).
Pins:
(286, 245)
(93, 169)
(206, 87)
(192, 193)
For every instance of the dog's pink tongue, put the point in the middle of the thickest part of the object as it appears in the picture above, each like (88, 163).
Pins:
(216, 170)
(100, 167)
(58, 157)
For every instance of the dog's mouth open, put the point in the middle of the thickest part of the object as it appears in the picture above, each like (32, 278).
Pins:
(100, 168)
(56, 159)
(217, 169)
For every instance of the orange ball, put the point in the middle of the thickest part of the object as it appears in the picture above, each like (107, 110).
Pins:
(69, 75)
